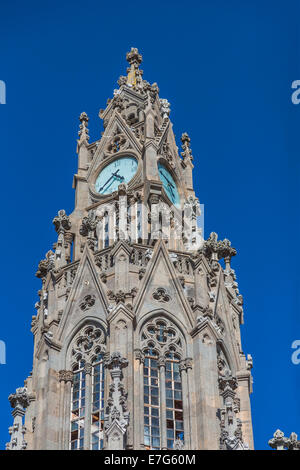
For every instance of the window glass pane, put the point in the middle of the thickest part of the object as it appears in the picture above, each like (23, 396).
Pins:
(97, 418)
(77, 408)
(174, 405)
(151, 402)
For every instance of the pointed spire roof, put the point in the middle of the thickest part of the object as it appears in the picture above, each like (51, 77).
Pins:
(83, 130)
(134, 74)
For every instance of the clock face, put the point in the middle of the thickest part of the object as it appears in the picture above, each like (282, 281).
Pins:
(169, 184)
(119, 171)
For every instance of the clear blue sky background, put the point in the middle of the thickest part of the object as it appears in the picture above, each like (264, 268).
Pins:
(227, 69)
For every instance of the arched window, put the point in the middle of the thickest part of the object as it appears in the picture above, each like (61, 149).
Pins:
(163, 401)
(151, 400)
(87, 395)
(97, 424)
(174, 401)
(78, 407)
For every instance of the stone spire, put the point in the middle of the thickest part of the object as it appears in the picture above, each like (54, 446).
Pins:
(186, 147)
(83, 131)
(187, 160)
(280, 442)
(231, 425)
(19, 402)
(134, 74)
(63, 246)
(117, 416)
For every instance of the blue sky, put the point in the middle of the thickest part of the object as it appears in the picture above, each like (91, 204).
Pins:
(227, 69)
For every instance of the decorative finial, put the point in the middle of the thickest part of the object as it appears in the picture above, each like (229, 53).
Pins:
(134, 75)
(61, 222)
(83, 130)
(164, 108)
(133, 57)
(186, 147)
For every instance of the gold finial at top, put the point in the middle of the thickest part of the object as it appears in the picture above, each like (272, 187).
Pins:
(134, 59)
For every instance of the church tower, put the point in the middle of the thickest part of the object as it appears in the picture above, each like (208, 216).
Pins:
(137, 329)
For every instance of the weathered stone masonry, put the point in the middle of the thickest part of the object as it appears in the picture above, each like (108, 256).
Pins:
(137, 330)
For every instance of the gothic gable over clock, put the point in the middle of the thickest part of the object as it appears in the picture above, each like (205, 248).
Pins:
(137, 328)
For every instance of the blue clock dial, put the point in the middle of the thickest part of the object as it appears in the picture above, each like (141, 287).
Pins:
(169, 184)
(119, 171)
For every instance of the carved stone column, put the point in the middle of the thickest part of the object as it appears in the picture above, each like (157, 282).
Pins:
(123, 232)
(155, 228)
(66, 380)
(62, 224)
(139, 400)
(68, 244)
(163, 413)
(88, 229)
(88, 405)
(185, 365)
(187, 160)
(231, 425)
(62, 384)
(206, 386)
(116, 417)
(19, 402)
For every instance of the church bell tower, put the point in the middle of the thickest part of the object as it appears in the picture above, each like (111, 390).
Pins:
(137, 329)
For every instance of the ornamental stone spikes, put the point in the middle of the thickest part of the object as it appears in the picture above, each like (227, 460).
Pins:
(165, 108)
(62, 250)
(45, 265)
(226, 251)
(186, 147)
(133, 57)
(217, 249)
(61, 222)
(116, 417)
(280, 442)
(83, 131)
(187, 161)
(134, 74)
(19, 402)
(88, 227)
(231, 425)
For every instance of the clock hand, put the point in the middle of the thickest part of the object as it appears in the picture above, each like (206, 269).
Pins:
(167, 180)
(120, 177)
(172, 191)
(113, 175)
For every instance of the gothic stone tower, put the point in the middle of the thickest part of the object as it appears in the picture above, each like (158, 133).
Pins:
(137, 332)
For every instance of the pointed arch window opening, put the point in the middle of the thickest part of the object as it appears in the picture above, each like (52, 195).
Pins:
(78, 407)
(87, 392)
(163, 398)
(174, 401)
(151, 401)
(97, 415)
